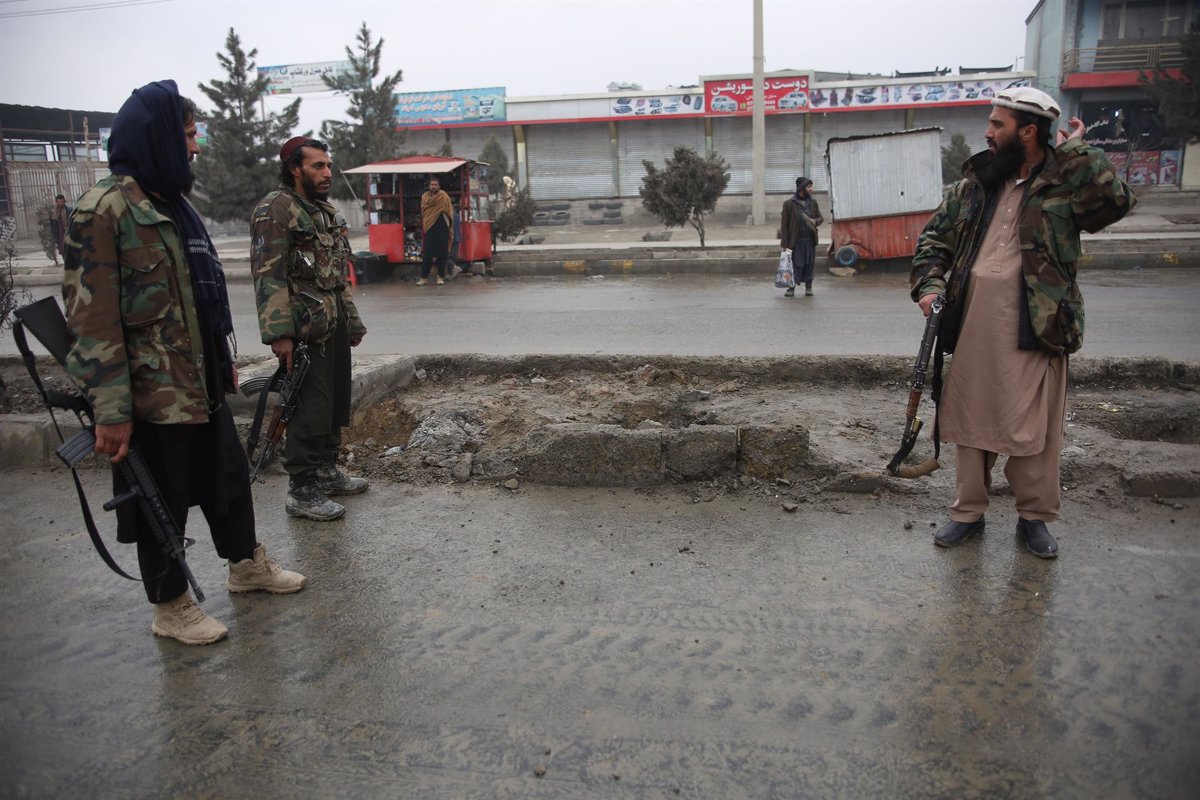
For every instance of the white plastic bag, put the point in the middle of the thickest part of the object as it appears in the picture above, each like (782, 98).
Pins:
(784, 276)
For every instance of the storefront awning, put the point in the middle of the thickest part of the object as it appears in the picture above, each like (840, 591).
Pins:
(408, 166)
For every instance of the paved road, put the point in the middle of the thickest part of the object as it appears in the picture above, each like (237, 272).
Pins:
(454, 642)
(1145, 313)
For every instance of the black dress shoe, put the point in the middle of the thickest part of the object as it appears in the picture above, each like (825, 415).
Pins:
(1036, 538)
(955, 533)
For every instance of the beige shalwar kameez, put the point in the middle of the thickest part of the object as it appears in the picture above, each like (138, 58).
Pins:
(998, 399)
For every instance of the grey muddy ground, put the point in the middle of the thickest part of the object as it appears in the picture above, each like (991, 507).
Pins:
(691, 639)
(469, 641)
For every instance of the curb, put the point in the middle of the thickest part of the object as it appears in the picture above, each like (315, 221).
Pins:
(29, 440)
(1114, 255)
(587, 454)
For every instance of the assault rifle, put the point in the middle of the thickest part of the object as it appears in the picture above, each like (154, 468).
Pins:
(287, 384)
(46, 322)
(912, 426)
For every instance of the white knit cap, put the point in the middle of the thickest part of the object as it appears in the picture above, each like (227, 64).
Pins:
(1028, 99)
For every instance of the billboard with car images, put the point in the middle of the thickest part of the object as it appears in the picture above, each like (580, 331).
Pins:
(960, 91)
(673, 105)
(735, 96)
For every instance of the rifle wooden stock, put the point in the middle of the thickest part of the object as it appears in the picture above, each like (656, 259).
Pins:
(912, 426)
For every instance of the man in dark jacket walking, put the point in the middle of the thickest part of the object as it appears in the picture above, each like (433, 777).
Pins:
(798, 233)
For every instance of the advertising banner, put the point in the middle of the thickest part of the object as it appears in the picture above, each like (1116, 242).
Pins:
(454, 106)
(1168, 167)
(1143, 168)
(300, 78)
(736, 96)
(665, 105)
(910, 95)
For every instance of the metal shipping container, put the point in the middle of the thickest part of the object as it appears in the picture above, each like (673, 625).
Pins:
(882, 190)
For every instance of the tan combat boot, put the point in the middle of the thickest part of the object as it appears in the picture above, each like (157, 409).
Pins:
(262, 574)
(181, 619)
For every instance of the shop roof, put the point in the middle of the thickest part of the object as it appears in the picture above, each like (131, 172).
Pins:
(411, 165)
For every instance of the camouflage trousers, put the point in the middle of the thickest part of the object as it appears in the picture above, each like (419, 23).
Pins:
(323, 409)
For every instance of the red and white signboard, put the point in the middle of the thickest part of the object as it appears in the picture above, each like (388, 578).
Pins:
(735, 97)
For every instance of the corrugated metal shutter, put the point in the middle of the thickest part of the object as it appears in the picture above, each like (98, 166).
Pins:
(784, 134)
(785, 151)
(970, 121)
(886, 175)
(653, 140)
(570, 161)
(731, 140)
(845, 123)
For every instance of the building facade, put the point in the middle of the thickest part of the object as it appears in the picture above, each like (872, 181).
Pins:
(1091, 56)
(584, 146)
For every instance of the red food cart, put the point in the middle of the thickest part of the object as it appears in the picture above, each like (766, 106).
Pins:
(394, 190)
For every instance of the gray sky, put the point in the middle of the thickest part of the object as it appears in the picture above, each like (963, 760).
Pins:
(92, 59)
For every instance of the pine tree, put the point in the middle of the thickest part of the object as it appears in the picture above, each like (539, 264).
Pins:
(1178, 99)
(239, 163)
(953, 156)
(371, 134)
(497, 160)
(686, 189)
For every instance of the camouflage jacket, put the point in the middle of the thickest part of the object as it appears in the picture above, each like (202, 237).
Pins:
(129, 304)
(1076, 189)
(298, 256)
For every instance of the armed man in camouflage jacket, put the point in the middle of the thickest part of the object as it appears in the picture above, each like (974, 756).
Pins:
(1003, 247)
(299, 255)
(146, 304)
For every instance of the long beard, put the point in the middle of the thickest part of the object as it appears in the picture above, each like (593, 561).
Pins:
(999, 166)
(186, 189)
(310, 189)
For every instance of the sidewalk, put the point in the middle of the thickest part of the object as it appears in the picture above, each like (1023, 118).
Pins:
(1163, 230)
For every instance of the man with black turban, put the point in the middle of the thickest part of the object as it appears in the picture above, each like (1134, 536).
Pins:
(146, 303)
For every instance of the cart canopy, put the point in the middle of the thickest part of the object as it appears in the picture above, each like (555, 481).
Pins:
(411, 165)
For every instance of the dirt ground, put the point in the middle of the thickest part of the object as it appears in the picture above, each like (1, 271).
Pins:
(854, 426)
(468, 420)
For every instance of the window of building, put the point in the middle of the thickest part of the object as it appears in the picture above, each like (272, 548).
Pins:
(75, 151)
(1135, 20)
(17, 151)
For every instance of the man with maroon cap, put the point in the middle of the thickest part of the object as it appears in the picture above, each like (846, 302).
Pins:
(298, 256)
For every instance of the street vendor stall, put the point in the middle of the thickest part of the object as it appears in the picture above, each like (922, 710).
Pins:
(394, 190)
(882, 190)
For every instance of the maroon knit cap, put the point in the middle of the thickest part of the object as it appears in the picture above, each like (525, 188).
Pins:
(290, 147)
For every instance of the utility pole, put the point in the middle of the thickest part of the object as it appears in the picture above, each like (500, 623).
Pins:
(758, 201)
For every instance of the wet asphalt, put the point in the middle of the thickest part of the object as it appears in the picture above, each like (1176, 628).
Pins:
(1129, 313)
(472, 642)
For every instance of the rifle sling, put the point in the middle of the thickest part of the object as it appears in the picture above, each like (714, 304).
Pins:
(97, 542)
(79, 405)
(260, 411)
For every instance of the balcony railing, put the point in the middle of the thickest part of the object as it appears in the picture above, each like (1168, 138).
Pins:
(1117, 58)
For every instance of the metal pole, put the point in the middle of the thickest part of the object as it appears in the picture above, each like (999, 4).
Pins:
(758, 202)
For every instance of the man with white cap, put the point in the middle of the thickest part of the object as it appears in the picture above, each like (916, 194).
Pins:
(1002, 249)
